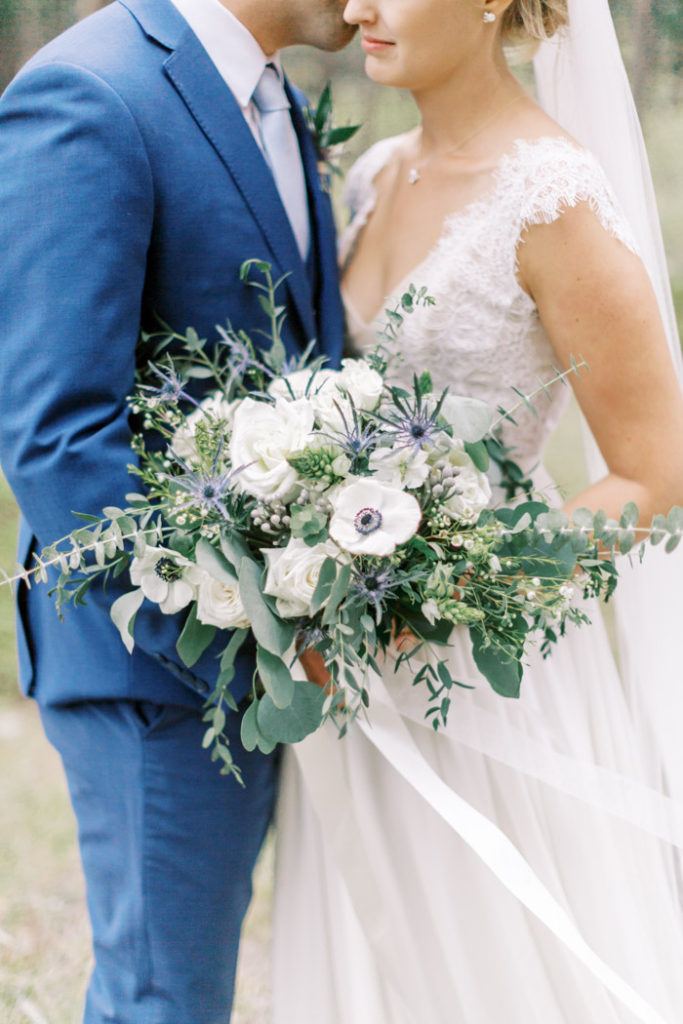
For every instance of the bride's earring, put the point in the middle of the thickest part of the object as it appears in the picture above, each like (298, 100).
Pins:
(489, 16)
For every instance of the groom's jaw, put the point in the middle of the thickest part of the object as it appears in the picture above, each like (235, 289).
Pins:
(318, 23)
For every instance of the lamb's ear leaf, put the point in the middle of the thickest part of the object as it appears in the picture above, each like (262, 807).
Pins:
(123, 612)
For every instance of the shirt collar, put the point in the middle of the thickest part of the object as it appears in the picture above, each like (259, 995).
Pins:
(237, 56)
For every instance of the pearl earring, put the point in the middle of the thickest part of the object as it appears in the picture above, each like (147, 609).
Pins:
(489, 16)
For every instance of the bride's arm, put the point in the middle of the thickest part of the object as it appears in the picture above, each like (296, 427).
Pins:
(595, 301)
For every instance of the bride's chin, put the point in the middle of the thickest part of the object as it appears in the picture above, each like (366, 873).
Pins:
(378, 72)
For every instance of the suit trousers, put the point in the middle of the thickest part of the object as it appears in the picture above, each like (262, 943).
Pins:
(168, 846)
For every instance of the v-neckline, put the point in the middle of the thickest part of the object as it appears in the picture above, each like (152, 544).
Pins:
(368, 209)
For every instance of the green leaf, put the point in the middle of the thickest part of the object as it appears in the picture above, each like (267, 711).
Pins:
(234, 548)
(629, 515)
(499, 664)
(194, 639)
(275, 676)
(470, 419)
(292, 724)
(214, 562)
(341, 134)
(251, 734)
(249, 731)
(479, 454)
(123, 612)
(337, 594)
(582, 517)
(230, 652)
(270, 631)
(674, 520)
(326, 578)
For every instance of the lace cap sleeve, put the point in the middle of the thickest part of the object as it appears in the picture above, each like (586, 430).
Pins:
(559, 175)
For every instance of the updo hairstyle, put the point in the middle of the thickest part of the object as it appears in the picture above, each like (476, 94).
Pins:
(528, 22)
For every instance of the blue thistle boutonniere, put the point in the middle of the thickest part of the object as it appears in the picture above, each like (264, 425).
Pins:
(329, 139)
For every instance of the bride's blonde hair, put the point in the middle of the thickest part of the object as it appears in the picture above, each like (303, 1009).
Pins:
(527, 22)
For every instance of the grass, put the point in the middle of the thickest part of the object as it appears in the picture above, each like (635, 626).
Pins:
(8, 530)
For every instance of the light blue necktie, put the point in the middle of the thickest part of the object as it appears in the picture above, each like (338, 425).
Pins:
(281, 149)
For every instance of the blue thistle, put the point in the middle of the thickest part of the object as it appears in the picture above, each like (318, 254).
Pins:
(413, 425)
(206, 490)
(170, 390)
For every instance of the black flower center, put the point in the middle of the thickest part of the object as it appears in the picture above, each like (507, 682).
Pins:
(166, 569)
(367, 520)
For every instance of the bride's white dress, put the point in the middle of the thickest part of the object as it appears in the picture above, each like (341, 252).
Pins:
(383, 914)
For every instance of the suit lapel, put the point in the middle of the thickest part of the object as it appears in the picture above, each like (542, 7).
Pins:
(330, 315)
(218, 115)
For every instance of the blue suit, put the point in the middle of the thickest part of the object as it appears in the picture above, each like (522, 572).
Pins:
(132, 188)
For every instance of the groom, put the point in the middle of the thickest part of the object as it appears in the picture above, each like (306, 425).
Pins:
(144, 155)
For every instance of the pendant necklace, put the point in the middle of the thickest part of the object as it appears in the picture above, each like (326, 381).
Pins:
(414, 173)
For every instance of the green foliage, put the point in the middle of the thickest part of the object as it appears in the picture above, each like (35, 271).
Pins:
(194, 638)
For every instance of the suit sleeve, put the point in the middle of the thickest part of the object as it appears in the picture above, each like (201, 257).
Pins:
(76, 215)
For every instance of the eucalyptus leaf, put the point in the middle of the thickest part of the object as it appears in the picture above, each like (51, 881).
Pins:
(339, 591)
(194, 639)
(269, 630)
(294, 723)
(234, 548)
(214, 562)
(326, 578)
(470, 418)
(275, 676)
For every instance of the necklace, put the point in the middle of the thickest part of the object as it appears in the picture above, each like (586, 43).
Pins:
(414, 172)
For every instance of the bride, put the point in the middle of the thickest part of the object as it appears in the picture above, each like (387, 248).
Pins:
(521, 865)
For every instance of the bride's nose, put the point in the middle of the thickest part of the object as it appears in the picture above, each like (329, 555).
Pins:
(359, 12)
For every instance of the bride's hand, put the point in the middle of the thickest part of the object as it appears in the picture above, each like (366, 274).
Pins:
(314, 666)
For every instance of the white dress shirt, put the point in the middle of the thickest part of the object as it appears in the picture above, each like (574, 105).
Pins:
(240, 61)
(237, 56)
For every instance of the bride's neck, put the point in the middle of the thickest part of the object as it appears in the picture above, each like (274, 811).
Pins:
(453, 109)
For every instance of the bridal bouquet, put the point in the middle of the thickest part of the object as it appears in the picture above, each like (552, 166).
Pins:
(331, 510)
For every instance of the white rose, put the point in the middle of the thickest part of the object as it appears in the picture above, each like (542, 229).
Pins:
(219, 603)
(471, 489)
(293, 573)
(263, 436)
(183, 444)
(400, 466)
(165, 577)
(303, 384)
(363, 384)
(371, 518)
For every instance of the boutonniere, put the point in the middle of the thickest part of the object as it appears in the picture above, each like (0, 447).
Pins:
(329, 139)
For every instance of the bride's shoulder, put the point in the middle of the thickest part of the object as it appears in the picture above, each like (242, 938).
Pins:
(360, 180)
(551, 173)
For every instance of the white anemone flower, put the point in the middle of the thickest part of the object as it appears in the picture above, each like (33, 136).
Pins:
(400, 466)
(371, 518)
(165, 577)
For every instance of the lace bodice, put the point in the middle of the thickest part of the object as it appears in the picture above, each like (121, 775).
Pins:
(484, 335)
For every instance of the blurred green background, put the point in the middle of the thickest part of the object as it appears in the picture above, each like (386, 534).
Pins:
(651, 33)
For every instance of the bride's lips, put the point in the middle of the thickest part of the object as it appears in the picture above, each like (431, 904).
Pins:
(372, 45)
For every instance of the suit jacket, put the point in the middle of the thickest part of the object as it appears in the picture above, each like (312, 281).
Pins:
(130, 188)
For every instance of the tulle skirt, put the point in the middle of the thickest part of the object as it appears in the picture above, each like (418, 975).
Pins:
(385, 915)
